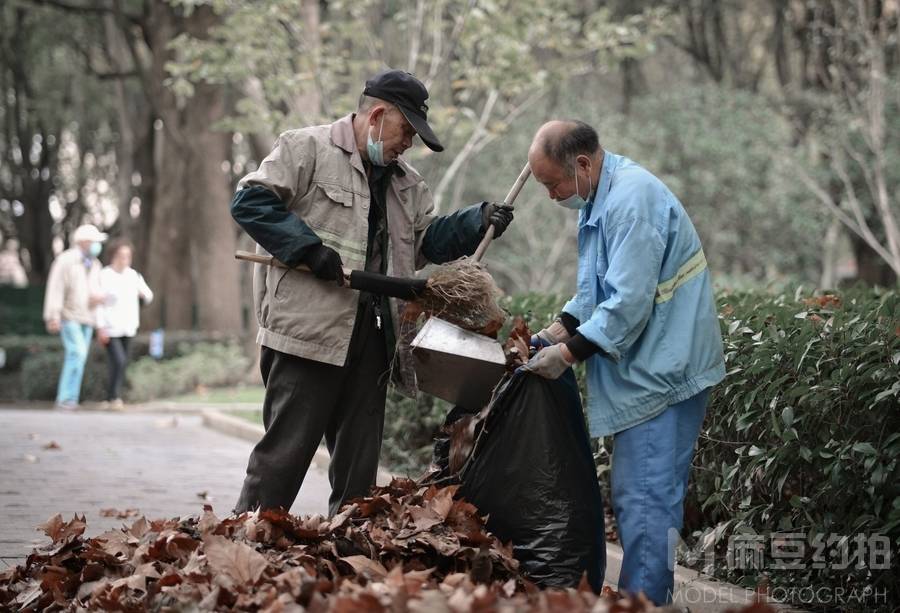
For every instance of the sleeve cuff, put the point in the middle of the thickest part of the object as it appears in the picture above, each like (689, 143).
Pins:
(581, 347)
(569, 322)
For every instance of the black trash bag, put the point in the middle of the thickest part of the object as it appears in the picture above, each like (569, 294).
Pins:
(532, 472)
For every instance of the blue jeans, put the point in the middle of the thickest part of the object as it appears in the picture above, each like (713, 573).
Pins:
(76, 339)
(651, 463)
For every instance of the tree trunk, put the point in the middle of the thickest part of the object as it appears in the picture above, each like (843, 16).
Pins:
(213, 233)
(828, 280)
(125, 147)
(192, 237)
(871, 267)
(168, 258)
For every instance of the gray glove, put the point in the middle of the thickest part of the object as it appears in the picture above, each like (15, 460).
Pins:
(548, 362)
(551, 335)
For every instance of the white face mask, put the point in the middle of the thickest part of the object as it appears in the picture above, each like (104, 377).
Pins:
(575, 201)
(374, 148)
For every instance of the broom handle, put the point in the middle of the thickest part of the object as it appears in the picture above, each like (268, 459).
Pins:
(270, 260)
(510, 198)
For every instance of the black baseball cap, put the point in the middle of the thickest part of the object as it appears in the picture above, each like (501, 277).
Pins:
(409, 95)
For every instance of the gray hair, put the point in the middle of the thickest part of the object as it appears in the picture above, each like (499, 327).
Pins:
(367, 102)
(581, 139)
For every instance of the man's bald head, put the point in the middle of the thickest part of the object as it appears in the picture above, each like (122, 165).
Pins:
(561, 141)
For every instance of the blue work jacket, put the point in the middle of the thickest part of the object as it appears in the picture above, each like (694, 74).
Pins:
(645, 298)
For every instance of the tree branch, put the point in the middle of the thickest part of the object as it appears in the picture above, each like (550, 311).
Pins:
(415, 37)
(838, 212)
(82, 9)
(467, 149)
(436, 67)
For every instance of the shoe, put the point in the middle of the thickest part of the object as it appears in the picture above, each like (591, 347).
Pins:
(66, 405)
(116, 405)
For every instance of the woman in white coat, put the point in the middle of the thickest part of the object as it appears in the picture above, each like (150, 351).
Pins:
(118, 318)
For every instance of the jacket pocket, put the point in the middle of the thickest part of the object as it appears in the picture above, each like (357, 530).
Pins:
(337, 194)
(277, 281)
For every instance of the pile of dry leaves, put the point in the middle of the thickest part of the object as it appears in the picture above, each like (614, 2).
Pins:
(405, 548)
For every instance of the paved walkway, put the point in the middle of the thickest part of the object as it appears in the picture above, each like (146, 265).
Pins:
(163, 465)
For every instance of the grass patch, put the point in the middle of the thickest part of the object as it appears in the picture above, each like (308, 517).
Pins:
(217, 395)
(254, 417)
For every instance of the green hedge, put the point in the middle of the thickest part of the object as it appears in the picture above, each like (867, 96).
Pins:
(22, 309)
(207, 364)
(193, 364)
(18, 347)
(804, 434)
(39, 375)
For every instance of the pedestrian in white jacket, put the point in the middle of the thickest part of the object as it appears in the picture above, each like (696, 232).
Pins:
(118, 317)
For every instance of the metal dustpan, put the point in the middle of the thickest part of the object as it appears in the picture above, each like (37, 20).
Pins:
(457, 365)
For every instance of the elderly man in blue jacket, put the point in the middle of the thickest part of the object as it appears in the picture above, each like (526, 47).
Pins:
(644, 321)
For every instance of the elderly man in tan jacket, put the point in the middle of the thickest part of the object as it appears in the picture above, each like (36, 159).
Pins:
(72, 293)
(331, 196)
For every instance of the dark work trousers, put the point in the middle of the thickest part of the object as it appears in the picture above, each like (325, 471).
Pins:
(117, 352)
(306, 400)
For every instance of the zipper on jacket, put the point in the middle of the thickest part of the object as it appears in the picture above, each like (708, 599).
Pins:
(376, 304)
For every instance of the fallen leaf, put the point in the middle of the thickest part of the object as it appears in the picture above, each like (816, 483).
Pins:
(119, 514)
(237, 560)
(61, 531)
(363, 565)
(52, 445)
(341, 518)
(208, 521)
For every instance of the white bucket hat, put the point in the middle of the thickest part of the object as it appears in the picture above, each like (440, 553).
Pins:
(88, 232)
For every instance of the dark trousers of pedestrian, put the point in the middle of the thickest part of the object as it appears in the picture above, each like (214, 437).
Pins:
(117, 352)
(306, 400)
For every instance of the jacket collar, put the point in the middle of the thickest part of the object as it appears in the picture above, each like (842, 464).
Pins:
(342, 136)
(590, 216)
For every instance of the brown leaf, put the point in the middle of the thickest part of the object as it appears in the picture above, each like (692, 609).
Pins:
(362, 565)
(424, 518)
(139, 528)
(341, 518)
(371, 506)
(462, 440)
(119, 514)
(365, 603)
(442, 500)
(442, 543)
(114, 543)
(208, 521)
(238, 561)
(59, 530)
(52, 445)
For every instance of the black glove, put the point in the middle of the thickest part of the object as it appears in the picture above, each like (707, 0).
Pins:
(497, 214)
(325, 263)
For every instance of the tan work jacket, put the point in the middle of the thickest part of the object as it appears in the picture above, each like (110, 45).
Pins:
(318, 173)
(70, 286)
